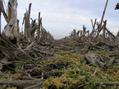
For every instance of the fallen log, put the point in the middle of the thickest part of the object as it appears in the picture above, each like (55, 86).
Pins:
(99, 61)
(21, 83)
(36, 86)
(93, 59)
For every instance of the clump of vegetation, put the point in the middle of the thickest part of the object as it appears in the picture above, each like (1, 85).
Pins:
(78, 74)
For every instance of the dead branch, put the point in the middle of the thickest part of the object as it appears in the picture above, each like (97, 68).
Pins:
(23, 83)
(103, 13)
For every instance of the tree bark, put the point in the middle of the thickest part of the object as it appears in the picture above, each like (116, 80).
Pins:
(11, 30)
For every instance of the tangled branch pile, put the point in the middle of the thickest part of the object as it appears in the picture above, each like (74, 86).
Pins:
(79, 61)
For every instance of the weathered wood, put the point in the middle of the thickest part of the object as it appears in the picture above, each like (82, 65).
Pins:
(11, 30)
(34, 27)
(3, 11)
(100, 26)
(21, 83)
(0, 17)
(111, 33)
(39, 27)
(26, 22)
(104, 12)
(93, 59)
(35, 86)
(93, 24)
(104, 29)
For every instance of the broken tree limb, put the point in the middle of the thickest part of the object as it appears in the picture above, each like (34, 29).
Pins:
(111, 33)
(93, 23)
(3, 11)
(104, 12)
(100, 26)
(38, 85)
(20, 83)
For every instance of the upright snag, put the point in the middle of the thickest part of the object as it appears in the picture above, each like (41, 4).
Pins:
(27, 23)
(0, 14)
(117, 8)
(3, 11)
(39, 26)
(11, 29)
(105, 8)
(101, 25)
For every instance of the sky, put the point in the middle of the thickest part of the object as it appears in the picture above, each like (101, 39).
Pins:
(60, 17)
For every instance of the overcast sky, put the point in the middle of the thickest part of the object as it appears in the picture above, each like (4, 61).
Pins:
(61, 16)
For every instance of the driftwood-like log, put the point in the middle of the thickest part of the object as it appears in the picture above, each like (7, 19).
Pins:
(98, 60)
(93, 59)
(22, 83)
(35, 86)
